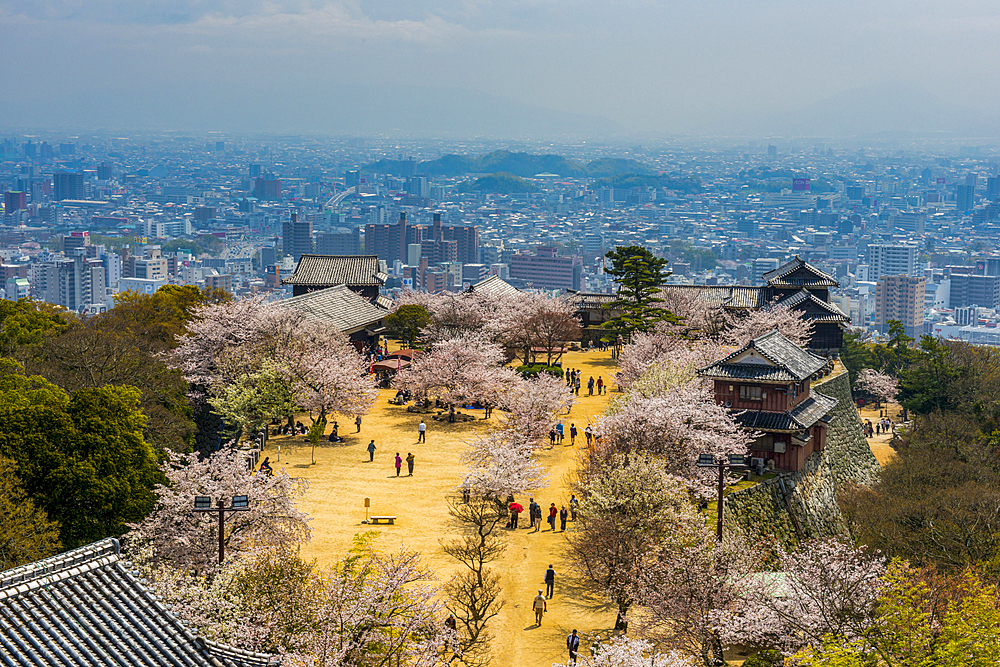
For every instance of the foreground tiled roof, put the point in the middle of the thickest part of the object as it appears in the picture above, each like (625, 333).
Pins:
(85, 607)
(790, 362)
(337, 307)
(721, 296)
(801, 417)
(329, 270)
(494, 286)
(589, 300)
(799, 273)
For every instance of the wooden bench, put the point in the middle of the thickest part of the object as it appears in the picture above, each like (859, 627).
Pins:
(386, 519)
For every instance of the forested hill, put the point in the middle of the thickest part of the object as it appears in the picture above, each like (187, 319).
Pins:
(524, 165)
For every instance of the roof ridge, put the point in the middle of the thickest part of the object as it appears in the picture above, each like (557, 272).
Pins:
(81, 557)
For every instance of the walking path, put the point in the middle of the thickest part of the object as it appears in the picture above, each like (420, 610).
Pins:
(881, 444)
(343, 476)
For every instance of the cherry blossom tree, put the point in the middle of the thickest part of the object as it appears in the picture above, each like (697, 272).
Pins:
(622, 651)
(460, 370)
(678, 423)
(371, 609)
(501, 463)
(878, 383)
(828, 587)
(534, 405)
(742, 327)
(231, 347)
(628, 505)
(667, 352)
(691, 581)
(188, 540)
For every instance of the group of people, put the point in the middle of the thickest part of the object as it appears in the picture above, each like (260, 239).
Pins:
(535, 514)
(573, 381)
(410, 459)
(883, 425)
(297, 429)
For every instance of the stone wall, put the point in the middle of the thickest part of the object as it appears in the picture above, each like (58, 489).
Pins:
(803, 504)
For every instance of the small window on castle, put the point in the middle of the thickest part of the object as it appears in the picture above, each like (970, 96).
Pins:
(749, 393)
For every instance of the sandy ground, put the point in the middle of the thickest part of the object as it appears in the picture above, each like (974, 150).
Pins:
(342, 477)
(879, 444)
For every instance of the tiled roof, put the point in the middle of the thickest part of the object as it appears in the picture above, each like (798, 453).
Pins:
(722, 296)
(329, 270)
(786, 356)
(799, 273)
(752, 372)
(589, 300)
(337, 307)
(494, 286)
(85, 607)
(817, 310)
(801, 417)
(383, 302)
(814, 408)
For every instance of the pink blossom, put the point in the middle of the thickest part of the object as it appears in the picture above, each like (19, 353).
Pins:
(878, 383)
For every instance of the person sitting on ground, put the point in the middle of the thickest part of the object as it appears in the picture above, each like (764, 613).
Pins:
(265, 467)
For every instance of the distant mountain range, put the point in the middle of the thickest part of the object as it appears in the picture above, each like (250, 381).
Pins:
(524, 165)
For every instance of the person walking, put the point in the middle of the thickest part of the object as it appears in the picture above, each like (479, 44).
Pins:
(600, 385)
(422, 432)
(576, 384)
(589, 432)
(552, 438)
(357, 422)
(515, 513)
(572, 435)
(559, 432)
(590, 386)
(573, 646)
(574, 505)
(532, 507)
(399, 464)
(550, 581)
(410, 458)
(371, 451)
(563, 516)
(553, 512)
(540, 606)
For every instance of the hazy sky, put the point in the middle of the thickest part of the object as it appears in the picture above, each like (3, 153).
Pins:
(649, 67)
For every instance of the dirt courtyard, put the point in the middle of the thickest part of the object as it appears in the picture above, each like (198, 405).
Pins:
(343, 477)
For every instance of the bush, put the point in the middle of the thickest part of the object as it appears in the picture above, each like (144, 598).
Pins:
(533, 370)
(768, 658)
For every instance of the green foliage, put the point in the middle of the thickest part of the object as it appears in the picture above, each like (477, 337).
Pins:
(502, 183)
(25, 324)
(532, 371)
(639, 274)
(26, 534)
(82, 459)
(769, 658)
(929, 382)
(407, 322)
(908, 631)
(252, 400)
(204, 244)
(614, 166)
(524, 165)
(856, 354)
(703, 257)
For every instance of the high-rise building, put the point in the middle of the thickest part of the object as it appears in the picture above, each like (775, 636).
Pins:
(339, 242)
(965, 194)
(901, 298)
(390, 242)
(267, 188)
(296, 237)
(971, 290)
(67, 185)
(14, 200)
(104, 171)
(72, 282)
(547, 270)
(993, 188)
(69, 244)
(892, 259)
(762, 265)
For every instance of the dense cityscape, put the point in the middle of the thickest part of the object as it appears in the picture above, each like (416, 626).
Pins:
(908, 233)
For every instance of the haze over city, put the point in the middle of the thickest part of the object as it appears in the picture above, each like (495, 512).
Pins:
(526, 68)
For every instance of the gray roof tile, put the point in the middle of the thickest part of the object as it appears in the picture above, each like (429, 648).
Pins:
(494, 286)
(790, 361)
(799, 273)
(329, 270)
(85, 607)
(338, 307)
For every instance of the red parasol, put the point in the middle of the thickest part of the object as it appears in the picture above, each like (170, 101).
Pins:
(516, 508)
(390, 365)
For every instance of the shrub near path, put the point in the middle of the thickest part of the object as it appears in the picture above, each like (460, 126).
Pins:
(343, 477)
